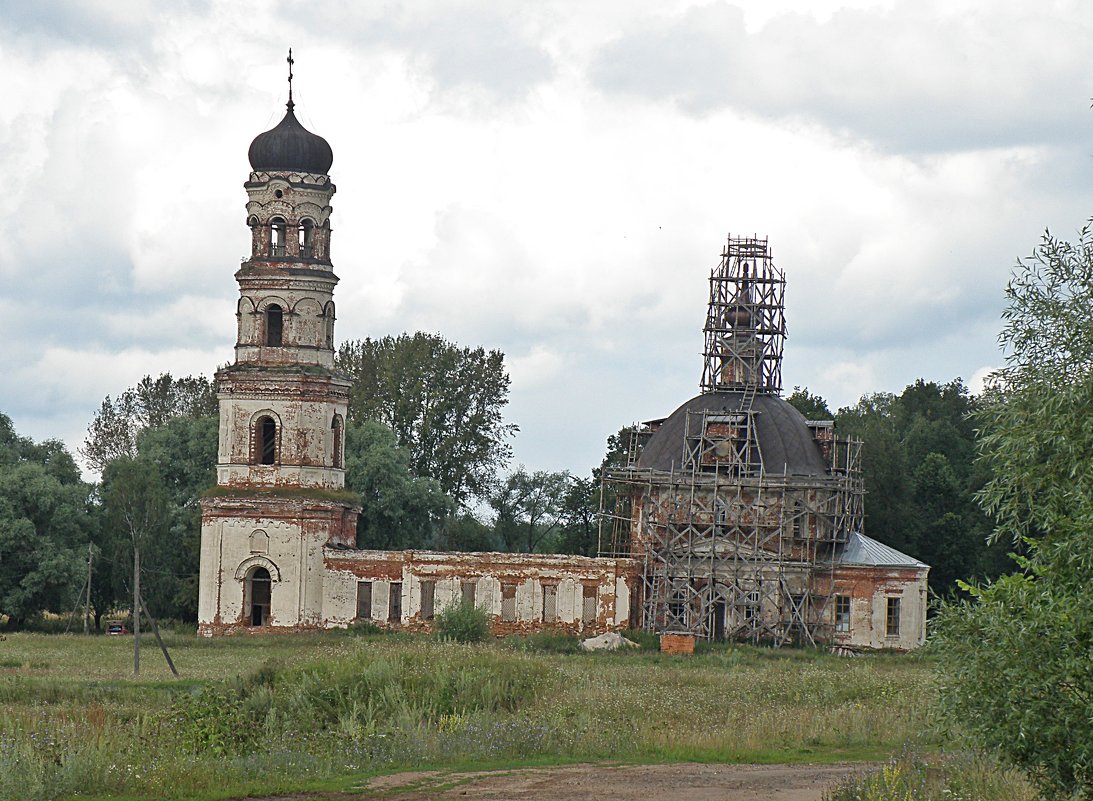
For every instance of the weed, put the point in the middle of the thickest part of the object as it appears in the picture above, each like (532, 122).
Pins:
(463, 622)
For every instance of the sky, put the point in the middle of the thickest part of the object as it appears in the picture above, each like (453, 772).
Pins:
(554, 179)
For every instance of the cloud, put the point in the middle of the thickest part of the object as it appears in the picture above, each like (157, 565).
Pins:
(467, 46)
(915, 77)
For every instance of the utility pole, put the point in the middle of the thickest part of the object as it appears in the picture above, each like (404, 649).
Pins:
(136, 607)
(87, 597)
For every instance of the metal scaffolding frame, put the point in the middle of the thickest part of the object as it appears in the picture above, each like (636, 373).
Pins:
(730, 550)
(745, 321)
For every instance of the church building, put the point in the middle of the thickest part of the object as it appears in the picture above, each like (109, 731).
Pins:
(736, 518)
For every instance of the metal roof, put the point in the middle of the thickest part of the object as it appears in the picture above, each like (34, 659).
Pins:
(785, 441)
(863, 550)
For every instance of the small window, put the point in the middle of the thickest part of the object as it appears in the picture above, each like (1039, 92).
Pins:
(394, 607)
(364, 600)
(842, 614)
(328, 317)
(891, 622)
(266, 440)
(588, 608)
(508, 602)
(307, 235)
(677, 611)
(277, 231)
(550, 603)
(336, 430)
(274, 325)
(751, 606)
(466, 590)
(428, 599)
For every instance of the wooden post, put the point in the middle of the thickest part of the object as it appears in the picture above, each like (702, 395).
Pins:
(136, 608)
(87, 597)
(155, 630)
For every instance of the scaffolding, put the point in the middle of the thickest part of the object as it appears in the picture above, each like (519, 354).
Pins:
(731, 549)
(745, 322)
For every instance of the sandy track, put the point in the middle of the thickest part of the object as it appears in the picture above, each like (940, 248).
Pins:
(680, 782)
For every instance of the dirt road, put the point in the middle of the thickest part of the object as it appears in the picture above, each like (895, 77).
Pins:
(686, 782)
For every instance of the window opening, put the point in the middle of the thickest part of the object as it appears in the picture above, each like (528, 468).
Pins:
(891, 628)
(394, 607)
(467, 589)
(336, 428)
(508, 603)
(267, 440)
(550, 603)
(588, 608)
(277, 236)
(274, 325)
(364, 600)
(307, 233)
(842, 613)
(428, 599)
(259, 590)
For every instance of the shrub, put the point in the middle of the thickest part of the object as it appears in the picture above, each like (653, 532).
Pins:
(463, 622)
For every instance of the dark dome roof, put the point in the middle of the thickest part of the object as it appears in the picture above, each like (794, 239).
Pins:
(290, 147)
(785, 441)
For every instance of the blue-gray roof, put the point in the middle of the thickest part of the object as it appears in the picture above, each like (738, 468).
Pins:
(785, 441)
(863, 550)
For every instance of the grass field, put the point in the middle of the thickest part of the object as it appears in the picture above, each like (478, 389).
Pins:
(283, 713)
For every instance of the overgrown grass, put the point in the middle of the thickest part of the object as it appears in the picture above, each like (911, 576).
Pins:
(276, 713)
(936, 777)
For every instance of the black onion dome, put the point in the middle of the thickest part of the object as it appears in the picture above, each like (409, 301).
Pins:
(290, 147)
(785, 440)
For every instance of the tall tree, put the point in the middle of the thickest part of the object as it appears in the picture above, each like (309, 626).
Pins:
(529, 509)
(151, 403)
(183, 451)
(444, 403)
(44, 527)
(813, 407)
(400, 510)
(917, 461)
(1016, 660)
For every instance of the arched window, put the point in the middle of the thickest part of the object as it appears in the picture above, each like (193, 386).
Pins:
(277, 232)
(336, 428)
(307, 237)
(329, 320)
(274, 325)
(258, 593)
(265, 439)
(255, 236)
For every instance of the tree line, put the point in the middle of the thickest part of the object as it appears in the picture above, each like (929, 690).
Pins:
(426, 450)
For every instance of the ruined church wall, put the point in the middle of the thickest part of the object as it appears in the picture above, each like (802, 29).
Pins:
(521, 592)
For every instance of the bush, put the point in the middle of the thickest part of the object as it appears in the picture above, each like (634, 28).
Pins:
(463, 622)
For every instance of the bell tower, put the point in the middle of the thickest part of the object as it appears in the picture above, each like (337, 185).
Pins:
(280, 494)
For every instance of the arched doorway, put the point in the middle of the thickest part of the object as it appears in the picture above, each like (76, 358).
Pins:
(257, 593)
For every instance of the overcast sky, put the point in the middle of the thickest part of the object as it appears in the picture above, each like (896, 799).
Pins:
(553, 179)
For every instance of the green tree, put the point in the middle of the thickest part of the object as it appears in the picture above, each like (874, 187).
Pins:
(444, 403)
(921, 478)
(44, 527)
(183, 451)
(400, 510)
(529, 509)
(813, 407)
(1017, 659)
(151, 403)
